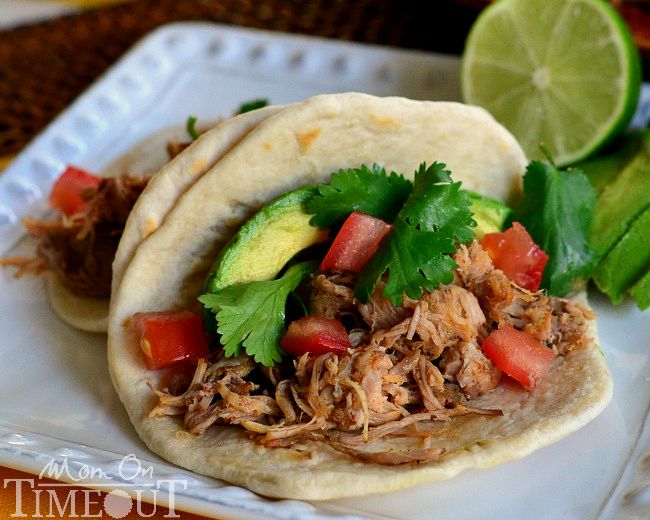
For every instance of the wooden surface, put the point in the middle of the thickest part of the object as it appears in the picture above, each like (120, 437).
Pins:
(44, 67)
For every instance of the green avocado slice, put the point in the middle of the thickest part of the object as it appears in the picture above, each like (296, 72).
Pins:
(641, 292)
(603, 169)
(622, 201)
(626, 261)
(266, 242)
(490, 215)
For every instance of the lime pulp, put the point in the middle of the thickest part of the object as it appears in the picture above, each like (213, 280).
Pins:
(564, 74)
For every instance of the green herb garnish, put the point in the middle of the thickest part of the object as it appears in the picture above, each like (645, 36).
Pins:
(253, 105)
(438, 204)
(416, 252)
(428, 215)
(557, 210)
(368, 190)
(415, 259)
(251, 315)
(191, 130)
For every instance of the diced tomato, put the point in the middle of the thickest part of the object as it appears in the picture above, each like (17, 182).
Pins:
(356, 243)
(170, 337)
(519, 355)
(67, 190)
(316, 335)
(515, 253)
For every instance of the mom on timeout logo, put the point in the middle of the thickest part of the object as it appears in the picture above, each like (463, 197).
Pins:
(126, 492)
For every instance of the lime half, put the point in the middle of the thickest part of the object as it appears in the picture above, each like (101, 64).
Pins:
(564, 74)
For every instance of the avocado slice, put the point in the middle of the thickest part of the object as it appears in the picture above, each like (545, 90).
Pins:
(623, 200)
(626, 261)
(266, 242)
(490, 215)
(603, 169)
(641, 292)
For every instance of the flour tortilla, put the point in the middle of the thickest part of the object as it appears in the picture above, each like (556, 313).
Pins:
(302, 145)
(175, 177)
(146, 157)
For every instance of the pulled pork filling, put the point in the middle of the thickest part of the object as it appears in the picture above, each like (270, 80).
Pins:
(80, 249)
(409, 365)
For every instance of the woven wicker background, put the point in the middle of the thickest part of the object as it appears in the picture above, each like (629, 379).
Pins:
(44, 67)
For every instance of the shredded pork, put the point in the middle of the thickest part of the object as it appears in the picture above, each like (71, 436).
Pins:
(412, 365)
(80, 249)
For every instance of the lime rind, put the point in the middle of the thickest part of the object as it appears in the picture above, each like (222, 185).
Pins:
(588, 102)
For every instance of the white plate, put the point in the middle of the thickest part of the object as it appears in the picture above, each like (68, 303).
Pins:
(58, 403)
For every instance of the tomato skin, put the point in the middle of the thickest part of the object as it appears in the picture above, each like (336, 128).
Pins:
(67, 190)
(170, 337)
(519, 355)
(515, 253)
(316, 335)
(355, 243)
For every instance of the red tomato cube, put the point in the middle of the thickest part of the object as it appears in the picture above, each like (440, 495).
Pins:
(67, 190)
(519, 355)
(316, 335)
(356, 243)
(170, 337)
(515, 253)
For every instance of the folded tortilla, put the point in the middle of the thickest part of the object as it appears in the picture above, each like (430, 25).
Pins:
(302, 145)
(146, 157)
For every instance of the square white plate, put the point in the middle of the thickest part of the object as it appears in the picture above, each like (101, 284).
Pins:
(58, 403)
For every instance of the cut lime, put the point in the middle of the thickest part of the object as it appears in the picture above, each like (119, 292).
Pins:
(561, 73)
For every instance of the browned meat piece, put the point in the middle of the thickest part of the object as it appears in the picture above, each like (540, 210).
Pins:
(283, 398)
(474, 372)
(82, 263)
(239, 366)
(558, 322)
(390, 457)
(474, 265)
(431, 384)
(379, 313)
(176, 147)
(499, 297)
(447, 315)
(330, 297)
(441, 318)
(80, 249)
(555, 321)
(370, 370)
(451, 361)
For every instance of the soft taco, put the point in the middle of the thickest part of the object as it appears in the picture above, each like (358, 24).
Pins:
(382, 386)
(77, 249)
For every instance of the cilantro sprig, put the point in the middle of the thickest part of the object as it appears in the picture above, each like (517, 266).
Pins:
(557, 210)
(415, 259)
(251, 315)
(428, 216)
(416, 252)
(438, 204)
(368, 190)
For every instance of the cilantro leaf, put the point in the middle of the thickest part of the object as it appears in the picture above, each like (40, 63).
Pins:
(254, 104)
(438, 204)
(251, 315)
(191, 128)
(416, 252)
(414, 258)
(557, 210)
(368, 190)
